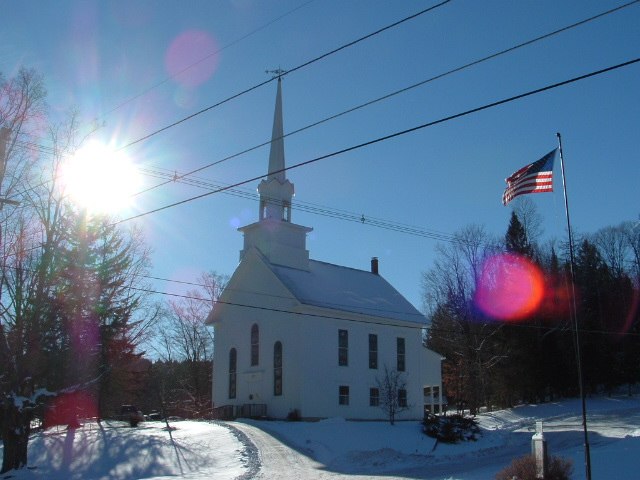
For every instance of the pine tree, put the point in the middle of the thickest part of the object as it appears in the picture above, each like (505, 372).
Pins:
(521, 342)
(97, 299)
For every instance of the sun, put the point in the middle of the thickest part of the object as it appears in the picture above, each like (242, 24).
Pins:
(99, 179)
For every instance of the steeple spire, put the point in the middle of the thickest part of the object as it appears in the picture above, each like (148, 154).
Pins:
(273, 235)
(276, 155)
(276, 191)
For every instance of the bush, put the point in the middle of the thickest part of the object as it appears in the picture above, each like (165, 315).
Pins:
(451, 429)
(294, 415)
(524, 468)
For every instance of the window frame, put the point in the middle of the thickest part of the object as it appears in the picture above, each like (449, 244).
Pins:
(343, 395)
(343, 348)
(373, 351)
(374, 397)
(233, 369)
(277, 369)
(255, 345)
(401, 354)
(402, 398)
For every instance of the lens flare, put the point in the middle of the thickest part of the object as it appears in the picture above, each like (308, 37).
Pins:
(192, 58)
(510, 287)
(68, 408)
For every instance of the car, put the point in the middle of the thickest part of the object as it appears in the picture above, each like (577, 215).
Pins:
(131, 414)
(154, 416)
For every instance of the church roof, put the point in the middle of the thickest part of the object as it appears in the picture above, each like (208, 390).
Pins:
(347, 289)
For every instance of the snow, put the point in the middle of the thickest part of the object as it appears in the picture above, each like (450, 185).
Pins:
(113, 450)
(335, 448)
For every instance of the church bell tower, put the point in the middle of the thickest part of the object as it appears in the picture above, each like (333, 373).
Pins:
(280, 241)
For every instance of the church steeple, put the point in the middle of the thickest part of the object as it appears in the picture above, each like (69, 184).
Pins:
(273, 235)
(276, 191)
(276, 155)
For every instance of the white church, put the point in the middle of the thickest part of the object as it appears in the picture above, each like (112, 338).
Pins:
(295, 336)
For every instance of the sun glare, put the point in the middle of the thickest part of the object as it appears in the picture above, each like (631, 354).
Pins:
(100, 180)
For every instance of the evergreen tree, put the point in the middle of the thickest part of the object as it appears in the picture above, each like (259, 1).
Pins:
(516, 240)
(521, 342)
(97, 300)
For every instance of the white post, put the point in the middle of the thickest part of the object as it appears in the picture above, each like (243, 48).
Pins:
(539, 451)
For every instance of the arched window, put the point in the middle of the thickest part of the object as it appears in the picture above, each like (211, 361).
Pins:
(277, 369)
(286, 211)
(263, 209)
(255, 345)
(233, 364)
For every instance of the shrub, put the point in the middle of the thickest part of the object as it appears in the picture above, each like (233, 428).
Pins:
(294, 415)
(451, 429)
(524, 468)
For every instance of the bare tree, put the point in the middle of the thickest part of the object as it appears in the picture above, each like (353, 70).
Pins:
(185, 338)
(22, 106)
(614, 246)
(392, 389)
(457, 331)
(529, 217)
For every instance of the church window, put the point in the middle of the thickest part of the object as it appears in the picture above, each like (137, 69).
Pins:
(373, 350)
(277, 369)
(402, 398)
(400, 355)
(233, 363)
(263, 209)
(343, 395)
(255, 345)
(286, 211)
(343, 348)
(374, 397)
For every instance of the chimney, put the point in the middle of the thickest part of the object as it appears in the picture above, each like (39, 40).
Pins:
(374, 265)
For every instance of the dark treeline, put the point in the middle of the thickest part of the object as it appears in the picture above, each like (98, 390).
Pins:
(494, 360)
(177, 388)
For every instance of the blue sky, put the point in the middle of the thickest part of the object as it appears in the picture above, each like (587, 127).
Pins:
(116, 61)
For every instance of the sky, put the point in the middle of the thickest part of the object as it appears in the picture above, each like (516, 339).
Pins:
(134, 68)
(312, 450)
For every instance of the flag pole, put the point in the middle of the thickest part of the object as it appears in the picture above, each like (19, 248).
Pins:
(574, 314)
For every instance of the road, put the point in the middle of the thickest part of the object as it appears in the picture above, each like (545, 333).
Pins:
(278, 461)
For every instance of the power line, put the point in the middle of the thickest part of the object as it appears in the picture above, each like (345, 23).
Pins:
(394, 135)
(424, 326)
(174, 177)
(406, 89)
(303, 65)
(234, 42)
(324, 211)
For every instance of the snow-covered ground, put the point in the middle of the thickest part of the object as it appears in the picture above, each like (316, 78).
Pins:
(335, 448)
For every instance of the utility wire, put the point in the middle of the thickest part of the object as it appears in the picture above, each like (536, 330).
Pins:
(325, 211)
(174, 177)
(393, 135)
(303, 65)
(403, 90)
(423, 326)
(206, 57)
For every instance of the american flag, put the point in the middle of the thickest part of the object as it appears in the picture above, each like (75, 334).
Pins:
(536, 177)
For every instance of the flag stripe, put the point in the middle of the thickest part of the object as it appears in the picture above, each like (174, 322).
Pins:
(536, 177)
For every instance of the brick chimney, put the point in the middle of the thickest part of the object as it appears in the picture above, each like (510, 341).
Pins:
(374, 265)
